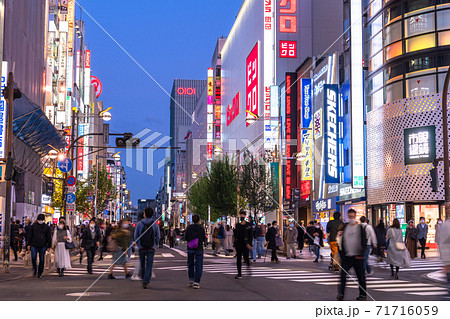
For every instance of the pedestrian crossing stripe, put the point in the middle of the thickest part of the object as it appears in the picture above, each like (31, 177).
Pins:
(413, 289)
(429, 293)
(392, 285)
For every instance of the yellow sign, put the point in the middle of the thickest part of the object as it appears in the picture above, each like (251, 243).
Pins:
(210, 86)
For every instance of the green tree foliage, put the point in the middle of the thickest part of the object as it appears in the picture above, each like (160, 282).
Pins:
(255, 185)
(218, 189)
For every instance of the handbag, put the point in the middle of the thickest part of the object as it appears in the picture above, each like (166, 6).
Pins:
(48, 260)
(112, 245)
(400, 246)
(69, 245)
(193, 244)
(27, 259)
(278, 241)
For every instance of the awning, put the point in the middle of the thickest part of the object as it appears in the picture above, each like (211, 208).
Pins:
(31, 125)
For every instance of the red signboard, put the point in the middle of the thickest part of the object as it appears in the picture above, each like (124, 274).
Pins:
(305, 189)
(291, 133)
(233, 110)
(288, 17)
(87, 61)
(251, 83)
(288, 49)
(97, 85)
(210, 150)
(186, 91)
(80, 154)
(217, 132)
(67, 138)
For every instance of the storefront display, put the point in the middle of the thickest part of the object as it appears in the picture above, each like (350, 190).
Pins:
(431, 214)
(360, 209)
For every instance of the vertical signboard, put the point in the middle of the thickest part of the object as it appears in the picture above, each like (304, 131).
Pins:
(331, 138)
(210, 116)
(70, 19)
(291, 133)
(269, 61)
(3, 110)
(357, 97)
(307, 129)
(233, 109)
(251, 85)
(62, 62)
(87, 76)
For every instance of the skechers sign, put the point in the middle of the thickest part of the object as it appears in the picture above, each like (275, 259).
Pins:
(331, 133)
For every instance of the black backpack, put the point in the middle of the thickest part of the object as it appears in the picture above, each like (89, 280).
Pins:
(147, 239)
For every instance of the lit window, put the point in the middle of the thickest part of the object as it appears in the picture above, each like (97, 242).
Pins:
(444, 38)
(420, 43)
(376, 26)
(394, 50)
(374, 8)
(421, 86)
(377, 81)
(443, 20)
(376, 62)
(393, 33)
(419, 24)
(377, 99)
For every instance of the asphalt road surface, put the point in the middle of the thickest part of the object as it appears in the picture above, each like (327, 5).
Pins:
(294, 279)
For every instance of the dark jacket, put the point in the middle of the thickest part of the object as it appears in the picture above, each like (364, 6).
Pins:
(380, 232)
(332, 229)
(412, 232)
(318, 232)
(196, 231)
(309, 234)
(270, 237)
(14, 235)
(301, 234)
(39, 236)
(243, 235)
(87, 241)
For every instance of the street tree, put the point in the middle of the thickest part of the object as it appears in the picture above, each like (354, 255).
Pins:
(255, 186)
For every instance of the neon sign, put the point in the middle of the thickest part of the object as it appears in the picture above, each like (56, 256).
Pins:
(288, 19)
(252, 76)
(233, 110)
(186, 91)
(288, 49)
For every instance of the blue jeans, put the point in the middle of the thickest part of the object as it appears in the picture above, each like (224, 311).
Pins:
(34, 252)
(146, 258)
(195, 265)
(316, 249)
(366, 259)
(257, 247)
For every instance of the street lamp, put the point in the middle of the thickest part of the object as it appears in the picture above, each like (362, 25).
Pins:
(52, 154)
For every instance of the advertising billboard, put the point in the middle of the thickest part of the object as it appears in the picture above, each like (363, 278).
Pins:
(251, 85)
(331, 139)
(420, 144)
(291, 133)
(307, 129)
(3, 110)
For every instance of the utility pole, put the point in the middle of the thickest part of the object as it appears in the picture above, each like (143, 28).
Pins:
(445, 140)
(9, 164)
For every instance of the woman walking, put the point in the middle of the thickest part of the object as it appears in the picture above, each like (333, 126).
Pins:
(122, 237)
(228, 240)
(411, 239)
(380, 232)
(195, 237)
(271, 238)
(397, 256)
(62, 257)
(318, 241)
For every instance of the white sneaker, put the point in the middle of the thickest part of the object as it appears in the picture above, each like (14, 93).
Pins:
(135, 277)
(191, 284)
(196, 285)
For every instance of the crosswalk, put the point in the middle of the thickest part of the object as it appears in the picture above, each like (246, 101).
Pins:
(320, 278)
(416, 265)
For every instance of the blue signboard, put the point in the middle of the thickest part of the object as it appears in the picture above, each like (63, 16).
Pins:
(331, 133)
(306, 103)
(71, 198)
(65, 165)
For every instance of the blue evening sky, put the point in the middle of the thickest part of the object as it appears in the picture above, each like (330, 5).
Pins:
(170, 39)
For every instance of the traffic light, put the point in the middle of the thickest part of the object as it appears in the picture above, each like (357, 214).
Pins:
(296, 195)
(434, 179)
(49, 188)
(9, 170)
(17, 94)
(127, 140)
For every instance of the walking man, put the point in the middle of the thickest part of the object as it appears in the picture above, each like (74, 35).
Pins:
(146, 237)
(39, 240)
(290, 238)
(371, 243)
(242, 242)
(195, 238)
(332, 231)
(422, 231)
(90, 241)
(352, 251)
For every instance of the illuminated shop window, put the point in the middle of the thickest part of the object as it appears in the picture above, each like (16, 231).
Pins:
(443, 19)
(444, 38)
(393, 33)
(376, 62)
(377, 99)
(374, 8)
(419, 64)
(394, 92)
(420, 42)
(419, 24)
(394, 50)
(376, 44)
(421, 86)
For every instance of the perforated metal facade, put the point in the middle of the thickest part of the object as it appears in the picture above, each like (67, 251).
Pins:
(389, 180)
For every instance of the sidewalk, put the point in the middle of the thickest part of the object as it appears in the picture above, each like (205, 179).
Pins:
(16, 270)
